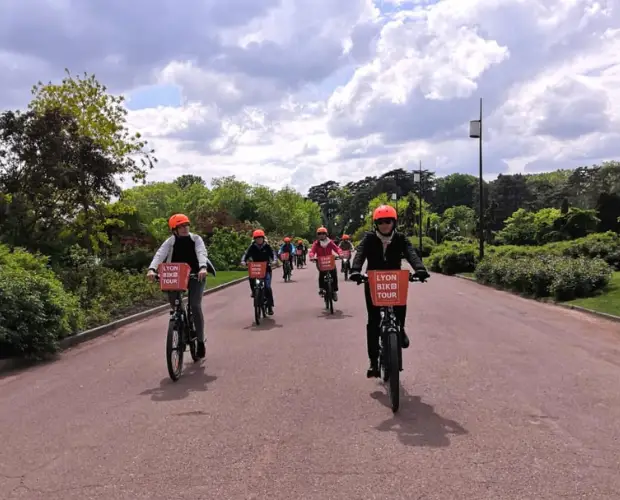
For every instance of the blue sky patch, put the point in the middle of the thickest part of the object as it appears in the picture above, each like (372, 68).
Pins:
(153, 96)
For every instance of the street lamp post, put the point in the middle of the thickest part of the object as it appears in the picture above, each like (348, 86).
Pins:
(417, 177)
(475, 132)
(395, 200)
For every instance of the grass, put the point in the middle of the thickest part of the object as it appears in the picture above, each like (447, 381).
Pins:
(607, 302)
(224, 277)
(468, 275)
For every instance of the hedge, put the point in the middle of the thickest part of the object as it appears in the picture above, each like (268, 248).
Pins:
(563, 278)
(457, 257)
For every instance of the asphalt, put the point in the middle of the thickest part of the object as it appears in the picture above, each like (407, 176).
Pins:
(503, 398)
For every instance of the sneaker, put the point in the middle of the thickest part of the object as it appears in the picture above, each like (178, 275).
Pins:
(335, 296)
(373, 370)
(201, 350)
(321, 292)
(404, 340)
(270, 311)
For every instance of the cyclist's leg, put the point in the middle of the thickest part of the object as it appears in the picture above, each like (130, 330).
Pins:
(196, 291)
(269, 290)
(321, 281)
(334, 274)
(372, 333)
(401, 315)
(172, 296)
(250, 281)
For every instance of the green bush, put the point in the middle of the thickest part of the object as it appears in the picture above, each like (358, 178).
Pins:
(459, 257)
(428, 244)
(134, 260)
(226, 248)
(453, 258)
(563, 278)
(35, 310)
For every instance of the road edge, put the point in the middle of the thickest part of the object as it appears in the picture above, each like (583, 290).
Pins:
(7, 365)
(591, 312)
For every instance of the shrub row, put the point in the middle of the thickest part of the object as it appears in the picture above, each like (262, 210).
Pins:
(563, 278)
(459, 257)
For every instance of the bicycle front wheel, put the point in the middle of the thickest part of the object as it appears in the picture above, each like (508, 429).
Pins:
(394, 371)
(174, 350)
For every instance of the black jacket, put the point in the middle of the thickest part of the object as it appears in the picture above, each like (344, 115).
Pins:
(371, 249)
(260, 254)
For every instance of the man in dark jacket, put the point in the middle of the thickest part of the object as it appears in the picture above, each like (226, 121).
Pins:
(261, 251)
(384, 249)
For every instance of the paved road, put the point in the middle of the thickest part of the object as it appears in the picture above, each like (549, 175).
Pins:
(504, 399)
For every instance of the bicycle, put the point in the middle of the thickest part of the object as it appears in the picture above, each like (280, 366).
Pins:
(181, 328)
(386, 292)
(257, 272)
(288, 267)
(299, 259)
(325, 264)
(346, 264)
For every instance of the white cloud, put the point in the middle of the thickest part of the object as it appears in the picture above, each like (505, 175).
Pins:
(303, 91)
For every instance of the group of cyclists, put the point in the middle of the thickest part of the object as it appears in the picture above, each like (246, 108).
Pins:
(384, 248)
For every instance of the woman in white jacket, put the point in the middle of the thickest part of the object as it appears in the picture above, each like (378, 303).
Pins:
(189, 248)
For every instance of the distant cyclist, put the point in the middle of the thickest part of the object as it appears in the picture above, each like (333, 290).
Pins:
(188, 248)
(383, 249)
(287, 248)
(323, 246)
(346, 246)
(259, 251)
(300, 247)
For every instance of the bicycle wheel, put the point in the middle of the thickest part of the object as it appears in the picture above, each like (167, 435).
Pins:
(174, 349)
(329, 301)
(258, 305)
(394, 381)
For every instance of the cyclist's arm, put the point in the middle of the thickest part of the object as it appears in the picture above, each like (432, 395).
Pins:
(246, 254)
(162, 253)
(335, 248)
(201, 252)
(313, 250)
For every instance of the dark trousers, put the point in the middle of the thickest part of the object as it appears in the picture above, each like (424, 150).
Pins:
(374, 320)
(268, 289)
(334, 274)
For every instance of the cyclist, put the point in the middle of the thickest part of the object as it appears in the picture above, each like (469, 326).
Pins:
(321, 247)
(384, 249)
(346, 246)
(287, 247)
(304, 251)
(187, 247)
(260, 251)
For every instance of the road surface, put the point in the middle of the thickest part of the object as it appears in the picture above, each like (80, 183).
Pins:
(504, 398)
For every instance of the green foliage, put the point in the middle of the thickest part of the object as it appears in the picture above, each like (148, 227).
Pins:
(35, 310)
(453, 258)
(562, 278)
(226, 248)
(100, 116)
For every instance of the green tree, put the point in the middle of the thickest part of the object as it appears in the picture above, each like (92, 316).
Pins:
(100, 116)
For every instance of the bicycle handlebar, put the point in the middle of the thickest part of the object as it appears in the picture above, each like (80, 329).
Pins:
(412, 278)
(192, 276)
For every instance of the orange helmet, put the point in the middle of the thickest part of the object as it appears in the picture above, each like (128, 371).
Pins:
(287, 240)
(384, 212)
(321, 230)
(258, 233)
(176, 220)
(300, 241)
(345, 236)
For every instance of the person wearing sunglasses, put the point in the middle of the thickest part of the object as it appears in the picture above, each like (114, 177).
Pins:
(383, 249)
(322, 247)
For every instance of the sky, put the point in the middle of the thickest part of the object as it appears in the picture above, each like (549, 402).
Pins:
(298, 92)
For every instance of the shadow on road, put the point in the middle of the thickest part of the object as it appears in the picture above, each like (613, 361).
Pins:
(265, 325)
(416, 423)
(338, 314)
(193, 379)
